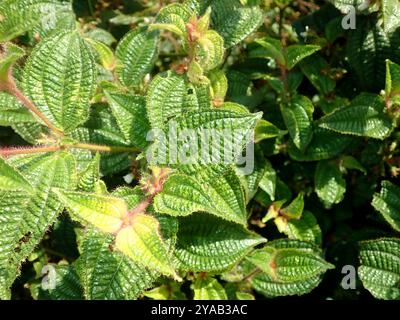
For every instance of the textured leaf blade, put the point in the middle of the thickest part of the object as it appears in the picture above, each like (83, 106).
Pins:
(387, 202)
(143, 244)
(19, 16)
(215, 192)
(109, 275)
(329, 183)
(206, 243)
(11, 179)
(380, 267)
(136, 54)
(208, 289)
(130, 114)
(364, 117)
(104, 212)
(60, 79)
(233, 21)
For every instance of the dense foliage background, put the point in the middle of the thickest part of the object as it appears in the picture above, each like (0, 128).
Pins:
(327, 159)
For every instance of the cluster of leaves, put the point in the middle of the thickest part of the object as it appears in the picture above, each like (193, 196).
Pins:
(82, 85)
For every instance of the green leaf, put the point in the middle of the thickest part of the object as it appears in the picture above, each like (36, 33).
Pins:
(352, 163)
(136, 54)
(206, 243)
(25, 218)
(173, 18)
(298, 123)
(106, 274)
(312, 68)
(104, 212)
(60, 79)
(363, 117)
(12, 54)
(198, 139)
(272, 48)
(380, 267)
(306, 229)
(296, 53)
(104, 54)
(368, 46)
(208, 289)
(391, 15)
(290, 267)
(67, 285)
(12, 112)
(325, 144)
(11, 179)
(219, 85)
(19, 16)
(165, 98)
(329, 183)
(91, 175)
(130, 113)
(142, 242)
(387, 202)
(233, 21)
(265, 130)
(212, 191)
(209, 50)
(392, 87)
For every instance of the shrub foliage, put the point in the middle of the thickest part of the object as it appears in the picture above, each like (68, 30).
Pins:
(89, 211)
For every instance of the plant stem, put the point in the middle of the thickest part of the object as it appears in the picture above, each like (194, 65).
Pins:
(6, 152)
(252, 273)
(13, 90)
(102, 148)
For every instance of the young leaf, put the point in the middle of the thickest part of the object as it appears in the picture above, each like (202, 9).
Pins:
(136, 53)
(104, 53)
(329, 183)
(141, 241)
(104, 212)
(60, 79)
(209, 50)
(387, 202)
(173, 18)
(380, 267)
(208, 289)
(206, 243)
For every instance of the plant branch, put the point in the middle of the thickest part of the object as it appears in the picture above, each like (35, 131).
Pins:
(6, 152)
(12, 89)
